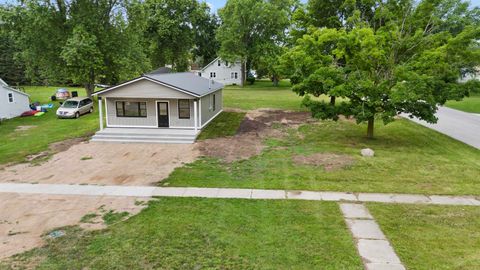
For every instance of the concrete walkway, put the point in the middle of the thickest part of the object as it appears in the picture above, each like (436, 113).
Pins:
(144, 191)
(459, 125)
(376, 251)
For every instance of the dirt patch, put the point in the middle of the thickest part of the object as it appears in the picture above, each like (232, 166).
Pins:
(328, 161)
(23, 128)
(25, 218)
(257, 126)
(103, 164)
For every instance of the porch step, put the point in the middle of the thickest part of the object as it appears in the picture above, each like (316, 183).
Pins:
(144, 136)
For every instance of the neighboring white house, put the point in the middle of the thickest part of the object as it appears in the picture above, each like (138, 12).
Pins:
(158, 108)
(224, 72)
(13, 102)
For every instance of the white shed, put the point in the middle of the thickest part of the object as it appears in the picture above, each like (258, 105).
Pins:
(13, 102)
(224, 72)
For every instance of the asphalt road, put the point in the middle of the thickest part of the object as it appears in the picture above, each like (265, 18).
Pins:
(459, 125)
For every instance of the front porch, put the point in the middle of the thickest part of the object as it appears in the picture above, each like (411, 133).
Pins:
(146, 135)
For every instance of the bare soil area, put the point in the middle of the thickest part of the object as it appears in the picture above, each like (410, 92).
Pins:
(103, 164)
(248, 142)
(328, 161)
(24, 219)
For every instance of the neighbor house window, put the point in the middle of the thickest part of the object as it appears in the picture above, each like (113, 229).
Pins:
(131, 109)
(184, 109)
(219, 63)
(226, 63)
(234, 75)
(213, 74)
(10, 97)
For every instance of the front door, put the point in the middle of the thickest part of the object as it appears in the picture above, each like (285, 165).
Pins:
(162, 108)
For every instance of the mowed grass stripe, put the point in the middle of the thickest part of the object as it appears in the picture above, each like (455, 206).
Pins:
(192, 233)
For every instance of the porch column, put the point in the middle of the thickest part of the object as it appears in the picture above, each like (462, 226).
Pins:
(200, 113)
(100, 112)
(195, 115)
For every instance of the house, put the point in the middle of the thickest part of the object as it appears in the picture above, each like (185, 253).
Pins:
(161, 70)
(158, 108)
(224, 72)
(13, 102)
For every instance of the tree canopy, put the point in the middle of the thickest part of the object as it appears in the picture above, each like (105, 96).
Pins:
(251, 29)
(104, 41)
(406, 58)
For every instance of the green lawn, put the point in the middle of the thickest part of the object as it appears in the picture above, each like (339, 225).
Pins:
(16, 145)
(188, 233)
(263, 94)
(432, 237)
(408, 159)
(469, 104)
(226, 124)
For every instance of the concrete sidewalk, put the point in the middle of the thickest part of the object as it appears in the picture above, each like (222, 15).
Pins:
(459, 125)
(145, 191)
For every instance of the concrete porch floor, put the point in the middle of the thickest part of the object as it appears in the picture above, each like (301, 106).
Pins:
(146, 135)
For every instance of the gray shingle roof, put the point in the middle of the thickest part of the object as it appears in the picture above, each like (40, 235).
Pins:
(188, 82)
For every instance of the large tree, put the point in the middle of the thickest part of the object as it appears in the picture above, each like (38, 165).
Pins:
(174, 31)
(407, 58)
(249, 28)
(79, 41)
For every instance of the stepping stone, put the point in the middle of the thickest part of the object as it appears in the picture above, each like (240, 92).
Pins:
(304, 195)
(355, 210)
(377, 251)
(365, 229)
(268, 194)
(234, 193)
(338, 196)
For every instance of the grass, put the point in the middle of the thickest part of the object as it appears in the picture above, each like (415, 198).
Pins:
(432, 237)
(408, 159)
(469, 104)
(193, 233)
(112, 217)
(263, 94)
(226, 124)
(16, 145)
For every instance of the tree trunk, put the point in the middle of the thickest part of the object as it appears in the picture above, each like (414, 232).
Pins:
(243, 74)
(332, 100)
(90, 86)
(275, 80)
(370, 128)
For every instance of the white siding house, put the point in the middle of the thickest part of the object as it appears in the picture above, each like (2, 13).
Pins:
(224, 72)
(12, 101)
(158, 108)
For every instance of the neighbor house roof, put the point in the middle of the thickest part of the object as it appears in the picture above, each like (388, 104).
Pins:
(185, 82)
(6, 86)
(213, 61)
(161, 70)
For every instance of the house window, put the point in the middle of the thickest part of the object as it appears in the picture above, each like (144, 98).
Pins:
(213, 102)
(131, 109)
(10, 97)
(234, 75)
(226, 63)
(219, 63)
(213, 74)
(199, 74)
(184, 109)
